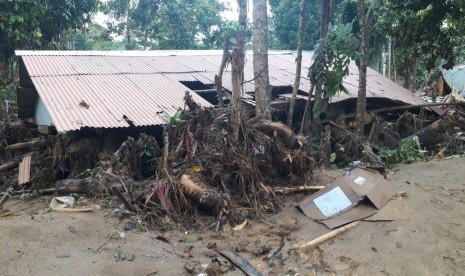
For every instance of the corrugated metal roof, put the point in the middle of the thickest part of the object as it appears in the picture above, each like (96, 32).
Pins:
(143, 86)
(24, 174)
(52, 66)
(455, 77)
(103, 101)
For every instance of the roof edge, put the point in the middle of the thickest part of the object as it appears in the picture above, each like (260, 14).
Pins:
(153, 53)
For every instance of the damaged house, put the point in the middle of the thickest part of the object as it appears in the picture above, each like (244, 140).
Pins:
(77, 90)
(101, 98)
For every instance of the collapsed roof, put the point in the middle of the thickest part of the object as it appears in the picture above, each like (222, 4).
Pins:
(99, 89)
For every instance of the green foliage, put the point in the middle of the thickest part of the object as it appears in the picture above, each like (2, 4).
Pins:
(331, 59)
(37, 24)
(284, 24)
(408, 151)
(89, 173)
(424, 30)
(163, 24)
(175, 119)
(95, 37)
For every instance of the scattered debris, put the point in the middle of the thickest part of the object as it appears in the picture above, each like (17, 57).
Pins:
(118, 256)
(72, 229)
(240, 262)
(240, 226)
(340, 202)
(65, 204)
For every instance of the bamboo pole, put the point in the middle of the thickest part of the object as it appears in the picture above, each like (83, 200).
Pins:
(288, 190)
(329, 236)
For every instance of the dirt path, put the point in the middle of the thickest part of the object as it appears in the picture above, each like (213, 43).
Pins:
(36, 241)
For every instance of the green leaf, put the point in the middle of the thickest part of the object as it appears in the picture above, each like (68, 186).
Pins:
(332, 157)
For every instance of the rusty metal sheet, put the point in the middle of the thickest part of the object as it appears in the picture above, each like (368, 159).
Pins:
(167, 65)
(48, 66)
(131, 65)
(102, 101)
(24, 173)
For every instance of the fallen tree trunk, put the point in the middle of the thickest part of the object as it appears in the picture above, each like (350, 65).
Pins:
(196, 190)
(25, 145)
(9, 165)
(13, 163)
(288, 137)
(399, 108)
(435, 132)
(72, 185)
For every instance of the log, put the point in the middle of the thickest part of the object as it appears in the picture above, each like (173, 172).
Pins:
(298, 189)
(328, 236)
(288, 136)
(25, 145)
(435, 132)
(399, 108)
(9, 165)
(13, 163)
(72, 185)
(196, 190)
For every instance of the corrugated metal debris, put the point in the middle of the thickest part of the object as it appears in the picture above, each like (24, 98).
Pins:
(24, 173)
(455, 78)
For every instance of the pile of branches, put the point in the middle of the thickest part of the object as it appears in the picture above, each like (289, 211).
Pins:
(408, 138)
(204, 170)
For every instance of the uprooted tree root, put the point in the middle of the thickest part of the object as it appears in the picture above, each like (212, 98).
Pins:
(207, 171)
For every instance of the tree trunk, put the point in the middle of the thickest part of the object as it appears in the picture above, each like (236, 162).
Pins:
(413, 82)
(389, 51)
(362, 69)
(298, 69)
(237, 71)
(260, 59)
(325, 17)
(307, 111)
(3, 70)
(219, 77)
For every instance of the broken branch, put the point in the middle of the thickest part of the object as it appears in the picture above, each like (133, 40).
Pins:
(298, 189)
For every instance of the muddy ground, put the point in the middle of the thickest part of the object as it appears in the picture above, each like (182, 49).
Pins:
(37, 241)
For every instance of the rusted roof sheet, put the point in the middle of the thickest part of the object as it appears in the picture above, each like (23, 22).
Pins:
(52, 66)
(24, 173)
(167, 65)
(377, 87)
(103, 101)
(96, 89)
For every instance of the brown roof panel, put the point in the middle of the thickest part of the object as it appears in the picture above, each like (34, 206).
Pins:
(205, 78)
(48, 66)
(102, 101)
(86, 65)
(197, 63)
(131, 65)
(166, 65)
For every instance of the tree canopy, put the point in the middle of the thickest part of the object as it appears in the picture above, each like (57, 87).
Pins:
(36, 24)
